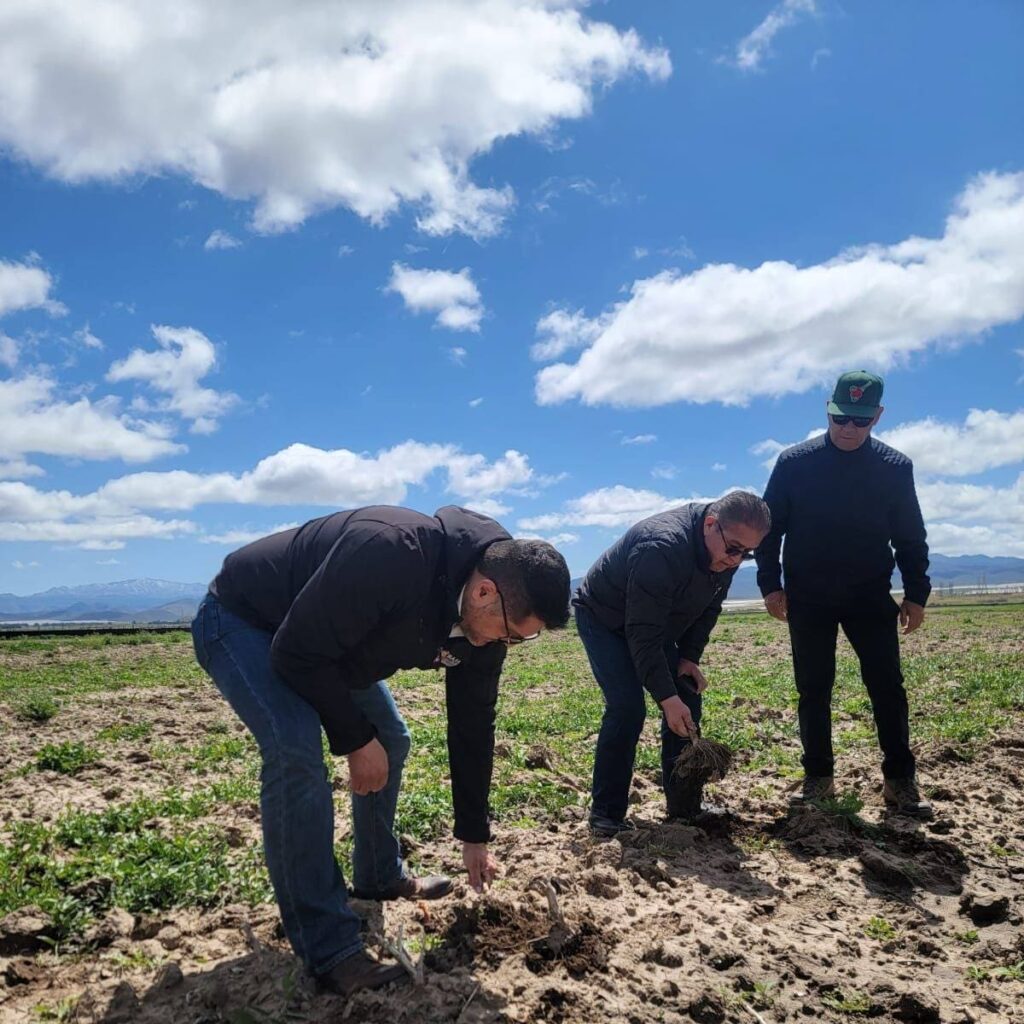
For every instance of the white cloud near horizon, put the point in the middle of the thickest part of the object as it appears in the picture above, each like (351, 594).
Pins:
(236, 538)
(974, 519)
(451, 295)
(616, 506)
(184, 357)
(304, 107)
(297, 475)
(752, 49)
(727, 334)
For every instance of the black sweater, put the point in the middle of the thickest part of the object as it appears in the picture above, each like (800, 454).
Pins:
(843, 514)
(655, 586)
(352, 598)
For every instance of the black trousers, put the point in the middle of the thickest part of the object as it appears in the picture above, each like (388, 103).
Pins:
(871, 627)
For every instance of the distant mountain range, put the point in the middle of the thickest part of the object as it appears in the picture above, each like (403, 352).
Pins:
(125, 601)
(148, 600)
(945, 571)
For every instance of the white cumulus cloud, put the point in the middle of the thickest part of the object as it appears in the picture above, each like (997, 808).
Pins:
(184, 357)
(34, 420)
(122, 508)
(986, 439)
(727, 334)
(303, 107)
(25, 285)
(452, 296)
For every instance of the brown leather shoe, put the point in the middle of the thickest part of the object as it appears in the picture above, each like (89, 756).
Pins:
(814, 788)
(429, 887)
(903, 797)
(357, 972)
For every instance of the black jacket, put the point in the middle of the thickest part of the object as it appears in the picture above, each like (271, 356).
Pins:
(655, 586)
(842, 514)
(352, 598)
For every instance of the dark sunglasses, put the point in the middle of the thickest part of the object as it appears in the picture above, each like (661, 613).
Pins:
(734, 550)
(858, 421)
(508, 638)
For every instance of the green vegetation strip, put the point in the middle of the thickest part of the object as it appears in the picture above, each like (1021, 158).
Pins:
(965, 679)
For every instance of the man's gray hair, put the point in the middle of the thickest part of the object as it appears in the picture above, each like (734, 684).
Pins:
(741, 508)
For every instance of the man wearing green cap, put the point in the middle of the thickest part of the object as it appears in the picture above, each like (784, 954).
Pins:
(846, 504)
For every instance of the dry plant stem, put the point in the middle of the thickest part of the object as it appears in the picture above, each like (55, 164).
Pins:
(753, 1012)
(542, 885)
(401, 953)
(465, 1005)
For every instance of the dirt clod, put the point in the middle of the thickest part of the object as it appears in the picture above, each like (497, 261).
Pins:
(984, 911)
(707, 1009)
(917, 1009)
(25, 931)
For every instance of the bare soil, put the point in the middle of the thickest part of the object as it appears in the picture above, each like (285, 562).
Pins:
(760, 914)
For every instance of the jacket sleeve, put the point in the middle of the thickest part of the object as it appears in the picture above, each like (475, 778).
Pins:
(909, 541)
(769, 569)
(695, 639)
(649, 589)
(471, 696)
(364, 578)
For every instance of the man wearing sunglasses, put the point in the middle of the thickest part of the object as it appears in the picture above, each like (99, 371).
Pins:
(845, 503)
(299, 629)
(645, 611)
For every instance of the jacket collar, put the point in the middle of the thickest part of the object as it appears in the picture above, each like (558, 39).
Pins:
(700, 549)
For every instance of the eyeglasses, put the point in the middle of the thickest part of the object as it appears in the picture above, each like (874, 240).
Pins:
(734, 550)
(858, 421)
(508, 638)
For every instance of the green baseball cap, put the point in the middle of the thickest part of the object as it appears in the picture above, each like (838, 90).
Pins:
(857, 393)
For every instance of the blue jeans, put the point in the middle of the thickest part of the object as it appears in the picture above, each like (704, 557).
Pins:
(296, 804)
(625, 710)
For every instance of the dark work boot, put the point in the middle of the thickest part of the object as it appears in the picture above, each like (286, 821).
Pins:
(815, 787)
(359, 971)
(685, 803)
(605, 828)
(903, 797)
(429, 887)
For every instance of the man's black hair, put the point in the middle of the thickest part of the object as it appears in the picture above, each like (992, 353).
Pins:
(532, 577)
(741, 508)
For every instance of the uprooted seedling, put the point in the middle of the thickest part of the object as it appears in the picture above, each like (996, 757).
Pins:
(702, 761)
(698, 763)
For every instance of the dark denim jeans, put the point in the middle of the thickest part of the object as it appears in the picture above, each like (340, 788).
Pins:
(295, 798)
(871, 627)
(625, 710)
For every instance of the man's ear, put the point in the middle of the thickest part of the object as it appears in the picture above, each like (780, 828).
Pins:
(878, 415)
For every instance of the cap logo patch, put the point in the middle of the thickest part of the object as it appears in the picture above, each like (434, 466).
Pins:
(856, 393)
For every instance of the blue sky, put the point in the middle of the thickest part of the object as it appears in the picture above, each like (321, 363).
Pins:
(565, 263)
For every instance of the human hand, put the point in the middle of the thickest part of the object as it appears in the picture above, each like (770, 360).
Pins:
(777, 605)
(690, 668)
(911, 616)
(368, 769)
(678, 717)
(480, 864)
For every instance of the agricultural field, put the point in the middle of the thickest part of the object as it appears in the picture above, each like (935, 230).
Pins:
(132, 887)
